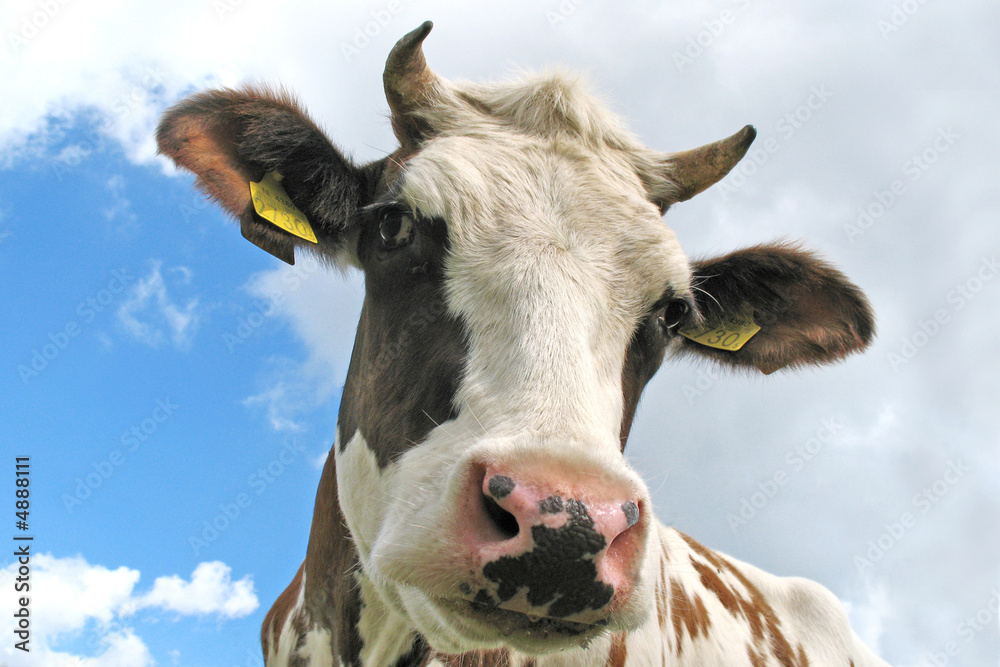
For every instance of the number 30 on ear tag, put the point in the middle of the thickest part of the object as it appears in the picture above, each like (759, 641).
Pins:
(272, 203)
(730, 335)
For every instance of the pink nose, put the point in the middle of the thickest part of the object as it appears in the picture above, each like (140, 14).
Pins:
(547, 548)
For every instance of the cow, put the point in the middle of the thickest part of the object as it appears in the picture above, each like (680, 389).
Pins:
(520, 291)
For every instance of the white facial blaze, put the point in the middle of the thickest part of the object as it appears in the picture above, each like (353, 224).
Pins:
(549, 271)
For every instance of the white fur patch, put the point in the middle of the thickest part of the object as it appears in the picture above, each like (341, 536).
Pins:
(385, 634)
(365, 491)
(316, 649)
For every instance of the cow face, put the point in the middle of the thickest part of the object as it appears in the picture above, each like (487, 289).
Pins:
(485, 397)
(521, 289)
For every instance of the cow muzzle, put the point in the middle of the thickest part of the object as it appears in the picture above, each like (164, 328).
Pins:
(550, 546)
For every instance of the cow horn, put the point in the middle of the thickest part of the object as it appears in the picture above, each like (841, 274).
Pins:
(409, 85)
(697, 169)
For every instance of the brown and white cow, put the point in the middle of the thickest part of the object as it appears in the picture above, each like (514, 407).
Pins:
(521, 289)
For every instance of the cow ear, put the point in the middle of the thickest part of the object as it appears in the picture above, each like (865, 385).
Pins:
(807, 311)
(230, 138)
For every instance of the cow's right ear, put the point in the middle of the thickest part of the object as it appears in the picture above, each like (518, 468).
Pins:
(230, 138)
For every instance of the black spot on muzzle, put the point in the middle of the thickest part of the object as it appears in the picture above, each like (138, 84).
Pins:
(559, 569)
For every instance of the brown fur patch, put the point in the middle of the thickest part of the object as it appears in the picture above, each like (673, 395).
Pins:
(618, 652)
(192, 144)
(642, 359)
(756, 659)
(409, 353)
(662, 607)
(687, 614)
(765, 627)
(275, 619)
(332, 597)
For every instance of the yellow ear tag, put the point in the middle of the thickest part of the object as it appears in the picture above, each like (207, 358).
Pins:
(729, 335)
(272, 203)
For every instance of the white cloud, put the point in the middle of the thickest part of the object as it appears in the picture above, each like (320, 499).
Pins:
(4, 221)
(322, 307)
(120, 649)
(150, 315)
(280, 400)
(319, 461)
(882, 430)
(211, 590)
(868, 618)
(69, 592)
(72, 599)
(108, 69)
(120, 208)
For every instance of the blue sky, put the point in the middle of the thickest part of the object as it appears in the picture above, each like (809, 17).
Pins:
(131, 400)
(163, 373)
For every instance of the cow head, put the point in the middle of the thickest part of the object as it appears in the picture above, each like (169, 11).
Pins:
(521, 289)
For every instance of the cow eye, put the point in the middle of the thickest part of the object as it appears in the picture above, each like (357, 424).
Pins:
(395, 231)
(673, 315)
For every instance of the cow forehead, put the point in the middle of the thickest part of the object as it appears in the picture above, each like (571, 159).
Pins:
(519, 207)
(555, 255)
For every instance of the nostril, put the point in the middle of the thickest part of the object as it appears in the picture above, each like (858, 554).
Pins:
(502, 520)
(626, 541)
(631, 511)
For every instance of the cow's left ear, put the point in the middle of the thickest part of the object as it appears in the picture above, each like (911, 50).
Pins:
(807, 311)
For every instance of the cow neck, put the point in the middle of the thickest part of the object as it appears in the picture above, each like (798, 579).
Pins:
(331, 598)
(335, 595)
